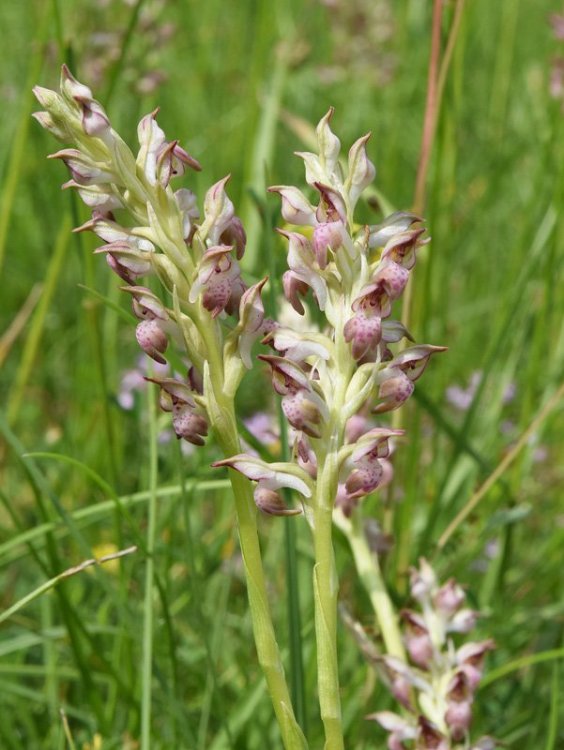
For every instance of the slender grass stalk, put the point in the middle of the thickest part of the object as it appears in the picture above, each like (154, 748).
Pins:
(34, 337)
(118, 66)
(52, 582)
(370, 574)
(500, 469)
(18, 147)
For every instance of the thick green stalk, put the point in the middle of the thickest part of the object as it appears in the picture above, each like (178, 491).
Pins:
(221, 412)
(326, 588)
(263, 629)
(325, 579)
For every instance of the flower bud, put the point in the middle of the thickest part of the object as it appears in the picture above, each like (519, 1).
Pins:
(188, 421)
(394, 390)
(305, 411)
(423, 581)
(251, 317)
(296, 209)
(218, 212)
(463, 621)
(84, 171)
(270, 501)
(449, 598)
(95, 121)
(329, 144)
(59, 130)
(418, 640)
(361, 170)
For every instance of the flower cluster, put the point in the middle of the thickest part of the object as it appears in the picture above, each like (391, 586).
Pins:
(438, 684)
(197, 260)
(354, 274)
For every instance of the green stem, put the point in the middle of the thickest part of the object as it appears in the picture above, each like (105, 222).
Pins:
(325, 579)
(221, 412)
(326, 588)
(263, 629)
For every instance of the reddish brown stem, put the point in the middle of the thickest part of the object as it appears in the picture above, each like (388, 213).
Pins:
(430, 109)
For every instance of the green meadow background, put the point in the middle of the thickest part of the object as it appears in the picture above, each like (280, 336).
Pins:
(240, 84)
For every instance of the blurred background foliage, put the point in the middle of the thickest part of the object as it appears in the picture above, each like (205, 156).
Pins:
(237, 83)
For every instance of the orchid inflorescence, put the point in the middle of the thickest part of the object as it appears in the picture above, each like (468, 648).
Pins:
(330, 376)
(437, 684)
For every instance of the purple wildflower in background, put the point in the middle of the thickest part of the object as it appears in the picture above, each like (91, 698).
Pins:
(133, 381)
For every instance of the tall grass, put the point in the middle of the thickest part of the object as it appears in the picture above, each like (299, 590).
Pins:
(156, 647)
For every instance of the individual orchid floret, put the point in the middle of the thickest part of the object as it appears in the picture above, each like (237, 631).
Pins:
(218, 279)
(398, 222)
(400, 729)
(270, 478)
(395, 389)
(187, 203)
(95, 121)
(364, 330)
(366, 458)
(126, 261)
(150, 332)
(188, 420)
(401, 248)
(251, 322)
(302, 403)
(218, 212)
(304, 268)
(414, 360)
(293, 286)
(234, 234)
(397, 378)
(299, 347)
(159, 159)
